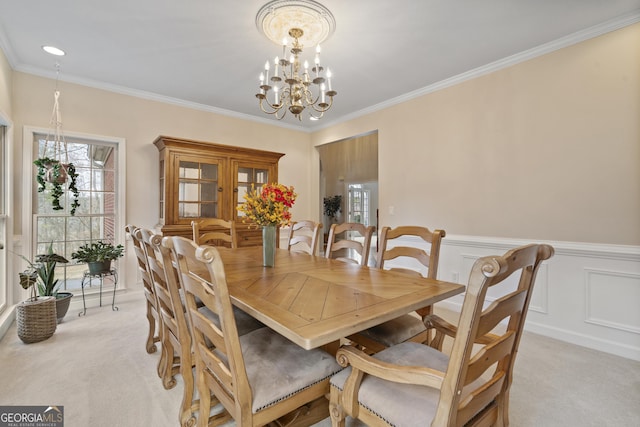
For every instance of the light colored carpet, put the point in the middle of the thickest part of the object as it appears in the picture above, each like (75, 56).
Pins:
(97, 367)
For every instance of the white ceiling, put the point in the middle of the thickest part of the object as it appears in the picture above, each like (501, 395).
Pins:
(208, 53)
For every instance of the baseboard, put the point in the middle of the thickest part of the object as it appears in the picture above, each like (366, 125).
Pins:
(6, 320)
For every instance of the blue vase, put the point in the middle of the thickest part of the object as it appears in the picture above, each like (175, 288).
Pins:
(268, 245)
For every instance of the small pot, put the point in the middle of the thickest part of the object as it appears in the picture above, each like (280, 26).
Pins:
(61, 179)
(97, 268)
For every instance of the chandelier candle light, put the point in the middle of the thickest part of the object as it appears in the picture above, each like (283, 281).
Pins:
(286, 84)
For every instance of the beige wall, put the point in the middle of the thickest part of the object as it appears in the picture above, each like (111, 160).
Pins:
(139, 121)
(546, 149)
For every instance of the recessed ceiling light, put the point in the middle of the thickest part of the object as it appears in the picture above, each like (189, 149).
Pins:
(53, 50)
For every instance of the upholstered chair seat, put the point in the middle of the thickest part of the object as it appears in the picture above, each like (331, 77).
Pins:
(397, 330)
(278, 369)
(244, 322)
(405, 405)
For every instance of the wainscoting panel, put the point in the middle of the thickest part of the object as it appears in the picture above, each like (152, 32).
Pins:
(613, 299)
(587, 294)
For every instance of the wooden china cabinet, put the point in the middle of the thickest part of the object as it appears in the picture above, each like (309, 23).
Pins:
(201, 180)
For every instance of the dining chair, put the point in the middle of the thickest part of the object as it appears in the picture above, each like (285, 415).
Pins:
(215, 231)
(257, 377)
(168, 364)
(416, 261)
(303, 236)
(413, 384)
(177, 349)
(350, 242)
(153, 333)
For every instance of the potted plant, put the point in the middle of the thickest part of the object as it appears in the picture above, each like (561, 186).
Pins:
(41, 275)
(332, 206)
(54, 174)
(98, 255)
(38, 316)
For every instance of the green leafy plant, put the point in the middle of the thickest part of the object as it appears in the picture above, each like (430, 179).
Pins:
(42, 274)
(332, 205)
(54, 175)
(98, 251)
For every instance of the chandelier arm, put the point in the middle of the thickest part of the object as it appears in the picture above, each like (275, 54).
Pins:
(322, 110)
(275, 110)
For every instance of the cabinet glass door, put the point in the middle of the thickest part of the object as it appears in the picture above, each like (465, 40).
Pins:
(245, 178)
(198, 188)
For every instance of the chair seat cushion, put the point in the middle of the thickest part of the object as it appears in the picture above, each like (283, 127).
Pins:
(244, 322)
(277, 368)
(403, 405)
(397, 330)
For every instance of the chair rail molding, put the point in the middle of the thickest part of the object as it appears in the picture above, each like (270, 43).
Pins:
(586, 294)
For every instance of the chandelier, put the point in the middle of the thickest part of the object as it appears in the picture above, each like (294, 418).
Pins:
(286, 84)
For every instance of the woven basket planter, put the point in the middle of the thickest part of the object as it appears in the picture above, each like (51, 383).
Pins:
(36, 319)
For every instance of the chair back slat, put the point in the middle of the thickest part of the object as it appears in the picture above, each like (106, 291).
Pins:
(304, 236)
(343, 244)
(489, 355)
(215, 231)
(501, 309)
(431, 238)
(480, 400)
(142, 262)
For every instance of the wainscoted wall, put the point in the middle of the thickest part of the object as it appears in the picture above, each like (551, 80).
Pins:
(587, 294)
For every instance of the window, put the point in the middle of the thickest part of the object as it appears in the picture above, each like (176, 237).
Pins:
(98, 163)
(358, 204)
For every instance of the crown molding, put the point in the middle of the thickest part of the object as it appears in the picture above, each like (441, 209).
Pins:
(575, 38)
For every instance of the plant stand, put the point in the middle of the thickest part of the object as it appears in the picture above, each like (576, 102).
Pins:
(86, 279)
(36, 320)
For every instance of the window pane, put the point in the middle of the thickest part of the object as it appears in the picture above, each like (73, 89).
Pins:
(189, 170)
(262, 176)
(208, 192)
(188, 210)
(188, 191)
(209, 210)
(245, 174)
(209, 171)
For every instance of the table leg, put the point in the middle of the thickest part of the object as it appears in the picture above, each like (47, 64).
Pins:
(332, 347)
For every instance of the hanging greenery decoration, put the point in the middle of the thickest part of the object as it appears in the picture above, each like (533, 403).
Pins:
(54, 174)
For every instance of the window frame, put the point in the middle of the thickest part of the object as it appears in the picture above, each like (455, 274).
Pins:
(29, 217)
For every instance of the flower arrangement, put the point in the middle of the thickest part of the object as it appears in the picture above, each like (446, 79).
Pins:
(269, 206)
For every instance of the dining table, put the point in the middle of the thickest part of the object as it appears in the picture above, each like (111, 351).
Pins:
(315, 301)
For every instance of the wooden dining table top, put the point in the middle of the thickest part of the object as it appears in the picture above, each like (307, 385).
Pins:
(314, 301)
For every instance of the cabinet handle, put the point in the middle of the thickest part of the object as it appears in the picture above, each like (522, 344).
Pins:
(235, 190)
(220, 189)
